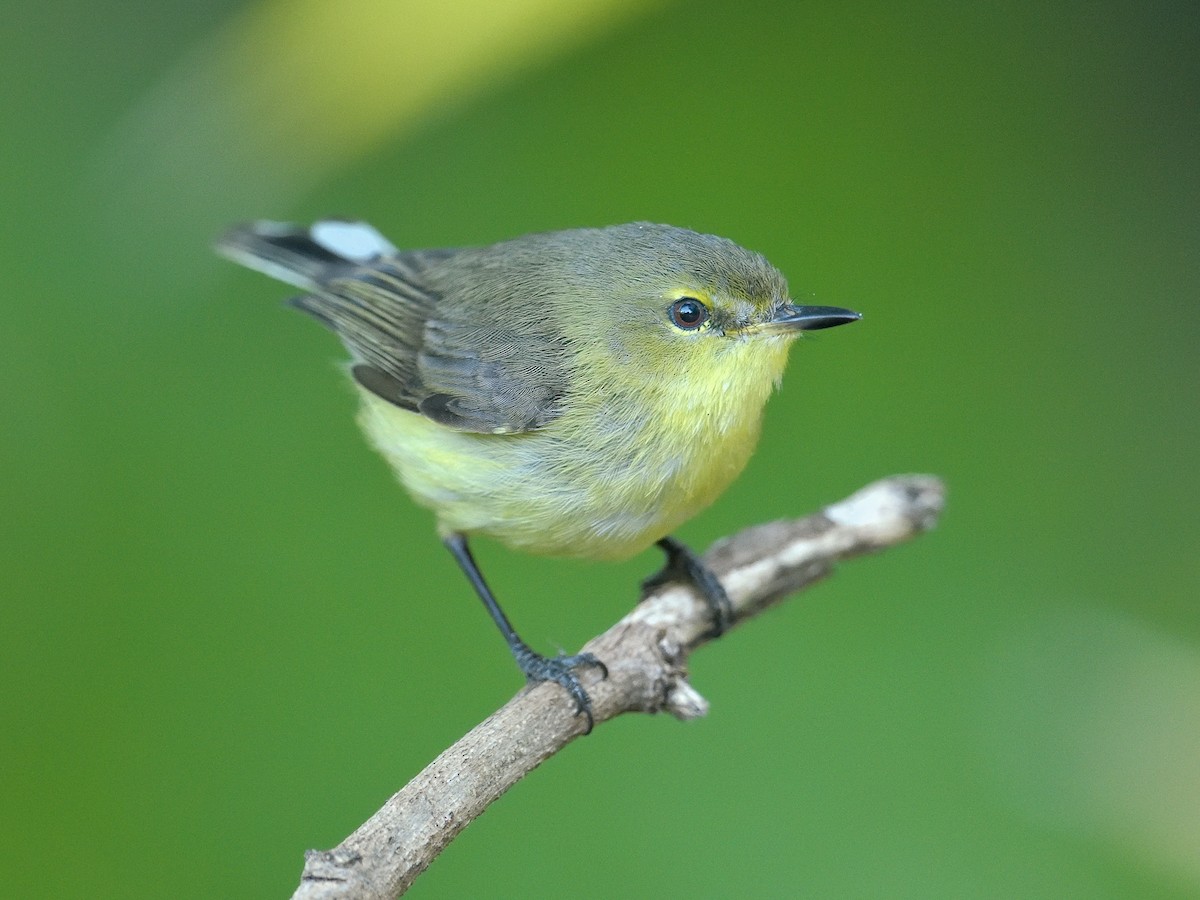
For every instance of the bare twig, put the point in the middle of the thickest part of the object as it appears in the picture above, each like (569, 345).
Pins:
(646, 654)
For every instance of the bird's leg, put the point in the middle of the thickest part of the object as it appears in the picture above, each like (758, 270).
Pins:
(535, 667)
(683, 565)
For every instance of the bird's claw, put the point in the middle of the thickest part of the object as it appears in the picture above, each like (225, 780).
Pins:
(684, 566)
(561, 670)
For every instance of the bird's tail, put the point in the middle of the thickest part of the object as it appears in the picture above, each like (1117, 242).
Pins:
(306, 257)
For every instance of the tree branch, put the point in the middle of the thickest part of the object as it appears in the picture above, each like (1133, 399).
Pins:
(646, 654)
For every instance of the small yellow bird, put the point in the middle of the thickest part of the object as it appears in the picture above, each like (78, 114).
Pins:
(574, 393)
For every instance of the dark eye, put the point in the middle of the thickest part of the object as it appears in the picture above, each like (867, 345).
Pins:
(689, 313)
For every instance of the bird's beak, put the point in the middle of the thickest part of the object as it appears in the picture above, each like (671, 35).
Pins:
(791, 317)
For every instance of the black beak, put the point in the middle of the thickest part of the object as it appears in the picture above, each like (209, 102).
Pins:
(812, 318)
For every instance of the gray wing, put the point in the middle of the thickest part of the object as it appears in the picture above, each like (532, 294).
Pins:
(440, 332)
(462, 367)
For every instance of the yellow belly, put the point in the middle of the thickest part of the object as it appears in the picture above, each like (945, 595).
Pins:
(603, 481)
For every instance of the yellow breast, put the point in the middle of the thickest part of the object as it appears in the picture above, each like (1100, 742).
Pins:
(632, 456)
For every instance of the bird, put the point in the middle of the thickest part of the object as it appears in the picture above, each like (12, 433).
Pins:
(577, 393)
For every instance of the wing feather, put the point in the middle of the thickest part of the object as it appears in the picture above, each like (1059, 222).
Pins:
(457, 335)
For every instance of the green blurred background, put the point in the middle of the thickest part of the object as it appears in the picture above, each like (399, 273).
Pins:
(227, 636)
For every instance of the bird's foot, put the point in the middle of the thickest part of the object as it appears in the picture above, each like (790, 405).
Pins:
(684, 566)
(561, 670)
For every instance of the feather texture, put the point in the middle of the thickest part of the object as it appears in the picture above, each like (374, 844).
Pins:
(538, 390)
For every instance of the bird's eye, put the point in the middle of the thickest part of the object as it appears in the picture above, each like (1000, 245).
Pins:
(688, 313)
